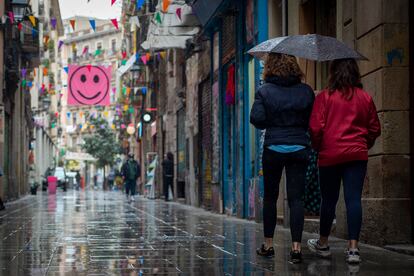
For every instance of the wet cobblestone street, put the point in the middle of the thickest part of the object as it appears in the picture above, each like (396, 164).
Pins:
(99, 233)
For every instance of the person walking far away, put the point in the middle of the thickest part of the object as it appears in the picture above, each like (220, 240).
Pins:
(282, 107)
(131, 171)
(344, 125)
(168, 174)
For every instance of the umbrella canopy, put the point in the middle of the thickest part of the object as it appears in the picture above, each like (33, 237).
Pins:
(311, 46)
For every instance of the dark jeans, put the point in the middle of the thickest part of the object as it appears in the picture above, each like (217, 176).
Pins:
(352, 175)
(296, 164)
(168, 182)
(130, 186)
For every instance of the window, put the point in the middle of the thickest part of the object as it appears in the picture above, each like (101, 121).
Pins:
(99, 46)
(113, 45)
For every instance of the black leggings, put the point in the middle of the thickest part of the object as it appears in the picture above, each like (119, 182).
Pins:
(296, 164)
(352, 175)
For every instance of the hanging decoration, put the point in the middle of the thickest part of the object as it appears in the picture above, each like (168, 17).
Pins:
(98, 52)
(140, 3)
(46, 39)
(158, 17)
(72, 23)
(66, 68)
(92, 22)
(89, 86)
(20, 26)
(163, 54)
(85, 50)
(230, 87)
(60, 44)
(45, 71)
(165, 5)
(178, 13)
(115, 23)
(144, 59)
(124, 54)
(24, 72)
(113, 2)
(53, 22)
(135, 20)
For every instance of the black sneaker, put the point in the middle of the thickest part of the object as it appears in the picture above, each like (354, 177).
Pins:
(316, 247)
(295, 257)
(262, 251)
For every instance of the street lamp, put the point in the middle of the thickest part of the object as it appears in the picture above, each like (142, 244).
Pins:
(20, 9)
(46, 103)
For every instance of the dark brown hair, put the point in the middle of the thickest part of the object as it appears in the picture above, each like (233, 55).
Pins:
(281, 65)
(344, 76)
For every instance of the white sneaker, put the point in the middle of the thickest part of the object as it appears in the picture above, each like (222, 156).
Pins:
(352, 256)
(132, 198)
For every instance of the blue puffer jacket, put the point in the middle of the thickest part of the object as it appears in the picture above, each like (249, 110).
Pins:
(283, 107)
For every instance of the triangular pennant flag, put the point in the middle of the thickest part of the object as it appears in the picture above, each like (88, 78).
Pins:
(85, 50)
(20, 26)
(158, 56)
(45, 71)
(73, 47)
(68, 114)
(115, 23)
(53, 22)
(139, 4)
(178, 13)
(113, 90)
(29, 84)
(34, 33)
(123, 62)
(72, 23)
(163, 54)
(46, 39)
(136, 57)
(165, 5)
(124, 90)
(135, 20)
(124, 54)
(34, 72)
(148, 56)
(89, 67)
(60, 44)
(66, 69)
(11, 17)
(158, 18)
(128, 91)
(98, 52)
(144, 59)
(92, 22)
(32, 20)
(23, 83)
(144, 90)
(24, 72)
(113, 2)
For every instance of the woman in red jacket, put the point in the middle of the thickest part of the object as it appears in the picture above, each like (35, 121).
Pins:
(343, 126)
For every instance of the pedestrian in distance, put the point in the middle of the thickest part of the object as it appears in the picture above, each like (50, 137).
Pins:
(282, 108)
(131, 171)
(344, 126)
(78, 180)
(168, 174)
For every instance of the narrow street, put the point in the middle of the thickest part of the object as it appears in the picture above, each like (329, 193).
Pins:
(99, 233)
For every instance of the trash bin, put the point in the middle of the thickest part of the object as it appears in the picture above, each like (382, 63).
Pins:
(52, 184)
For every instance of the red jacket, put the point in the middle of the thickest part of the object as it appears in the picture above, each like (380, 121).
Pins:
(343, 130)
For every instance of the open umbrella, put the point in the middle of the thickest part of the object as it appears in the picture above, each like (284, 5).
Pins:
(311, 46)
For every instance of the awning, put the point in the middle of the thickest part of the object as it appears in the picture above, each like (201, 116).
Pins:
(172, 32)
(79, 156)
(124, 68)
(205, 9)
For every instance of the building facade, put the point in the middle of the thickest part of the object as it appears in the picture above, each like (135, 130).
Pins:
(205, 90)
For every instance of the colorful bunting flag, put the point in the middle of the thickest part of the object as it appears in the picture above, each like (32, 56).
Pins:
(24, 72)
(60, 44)
(158, 18)
(113, 2)
(45, 71)
(144, 90)
(113, 90)
(165, 5)
(178, 13)
(72, 23)
(128, 91)
(85, 50)
(140, 3)
(123, 62)
(148, 55)
(115, 23)
(92, 22)
(124, 54)
(89, 66)
(134, 20)
(144, 59)
(32, 20)
(23, 83)
(20, 26)
(34, 32)
(68, 114)
(163, 54)
(53, 22)
(46, 39)
(98, 52)
(66, 68)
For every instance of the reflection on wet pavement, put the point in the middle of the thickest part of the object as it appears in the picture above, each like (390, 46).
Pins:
(97, 233)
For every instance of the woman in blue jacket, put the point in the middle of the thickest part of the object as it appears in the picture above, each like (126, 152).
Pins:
(282, 108)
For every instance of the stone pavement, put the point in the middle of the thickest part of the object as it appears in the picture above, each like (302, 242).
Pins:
(99, 233)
